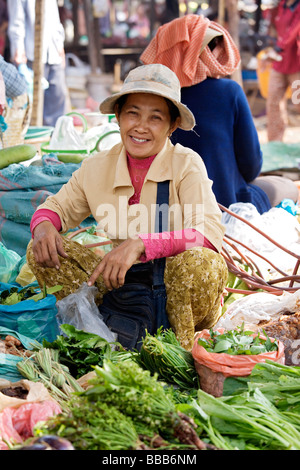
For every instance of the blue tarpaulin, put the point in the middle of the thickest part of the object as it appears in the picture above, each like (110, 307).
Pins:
(280, 156)
(22, 190)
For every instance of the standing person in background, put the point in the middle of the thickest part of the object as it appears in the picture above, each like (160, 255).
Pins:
(285, 22)
(21, 29)
(203, 55)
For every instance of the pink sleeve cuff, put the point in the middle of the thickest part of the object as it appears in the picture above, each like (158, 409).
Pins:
(160, 245)
(45, 214)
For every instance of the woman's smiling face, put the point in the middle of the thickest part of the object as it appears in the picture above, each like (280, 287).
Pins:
(145, 124)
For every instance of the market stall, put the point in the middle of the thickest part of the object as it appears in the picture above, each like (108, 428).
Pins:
(237, 389)
(67, 383)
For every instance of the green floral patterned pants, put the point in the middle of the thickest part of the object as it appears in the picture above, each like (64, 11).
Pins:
(194, 279)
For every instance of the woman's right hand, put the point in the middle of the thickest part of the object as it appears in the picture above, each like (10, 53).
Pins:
(47, 245)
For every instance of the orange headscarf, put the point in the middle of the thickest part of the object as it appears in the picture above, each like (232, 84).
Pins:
(177, 45)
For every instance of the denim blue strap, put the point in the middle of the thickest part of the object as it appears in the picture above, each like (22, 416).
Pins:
(161, 225)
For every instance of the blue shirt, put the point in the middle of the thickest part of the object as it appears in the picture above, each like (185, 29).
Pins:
(226, 138)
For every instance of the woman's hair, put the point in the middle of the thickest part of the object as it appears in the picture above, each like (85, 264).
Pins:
(173, 110)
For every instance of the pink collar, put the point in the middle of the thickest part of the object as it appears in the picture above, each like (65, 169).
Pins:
(140, 163)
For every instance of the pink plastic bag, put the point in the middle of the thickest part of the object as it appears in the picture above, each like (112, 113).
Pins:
(213, 368)
(16, 424)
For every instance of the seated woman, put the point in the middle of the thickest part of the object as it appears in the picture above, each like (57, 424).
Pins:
(119, 188)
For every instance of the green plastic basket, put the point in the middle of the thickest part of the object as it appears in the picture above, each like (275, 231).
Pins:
(84, 152)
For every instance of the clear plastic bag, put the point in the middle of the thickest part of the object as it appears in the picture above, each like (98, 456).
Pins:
(97, 241)
(65, 136)
(80, 310)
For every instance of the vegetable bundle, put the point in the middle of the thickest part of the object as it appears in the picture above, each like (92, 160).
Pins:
(162, 354)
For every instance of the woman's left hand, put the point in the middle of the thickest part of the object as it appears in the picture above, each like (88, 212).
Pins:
(116, 263)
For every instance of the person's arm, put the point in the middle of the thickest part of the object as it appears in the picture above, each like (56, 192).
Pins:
(42, 215)
(70, 202)
(16, 31)
(15, 83)
(246, 142)
(160, 245)
(71, 208)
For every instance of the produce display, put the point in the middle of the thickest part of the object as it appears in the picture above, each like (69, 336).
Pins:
(287, 330)
(80, 350)
(64, 388)
(113, 399)
(237, 389)
(124, 408)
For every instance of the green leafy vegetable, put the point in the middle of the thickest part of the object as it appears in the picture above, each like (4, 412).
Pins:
(251, 419)
(80, 350)
(15, 295)
(162, 354)
(237, 342)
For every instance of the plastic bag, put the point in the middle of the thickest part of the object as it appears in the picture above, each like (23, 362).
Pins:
(213, 368)
(90, 236)
(257, 307)
(8, 362)
(17, 424)
(36, 392)
(269, 223)
(80, 310)
(8, 367)
(34, 319)
(65, 136)
(9, 261)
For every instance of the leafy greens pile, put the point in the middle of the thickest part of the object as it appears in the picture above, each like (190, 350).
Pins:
(124, 408)
(238, 341)
(81, 350)
(15, 295)
(262, 413)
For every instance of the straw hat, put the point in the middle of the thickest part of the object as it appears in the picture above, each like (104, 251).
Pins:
(210, 34)
(158, 80)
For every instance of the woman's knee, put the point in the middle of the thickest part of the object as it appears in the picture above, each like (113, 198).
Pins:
(198, 265)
